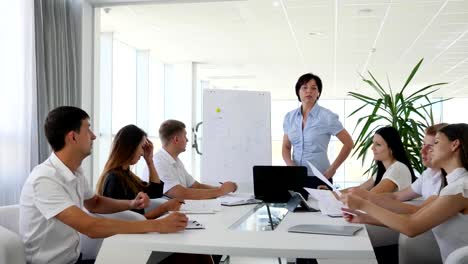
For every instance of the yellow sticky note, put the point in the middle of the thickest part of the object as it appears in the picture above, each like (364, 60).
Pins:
(218, 110)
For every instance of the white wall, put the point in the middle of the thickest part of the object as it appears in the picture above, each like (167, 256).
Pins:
(87, 68)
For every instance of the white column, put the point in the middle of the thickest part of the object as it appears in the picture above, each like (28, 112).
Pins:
(142, 86)
(87, 68)
(178, 104)
(103, 117)
(142, 98)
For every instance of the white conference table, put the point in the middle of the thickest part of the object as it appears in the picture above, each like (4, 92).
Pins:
(218, 239)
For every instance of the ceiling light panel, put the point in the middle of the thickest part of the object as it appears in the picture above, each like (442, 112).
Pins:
(312, 18)
(358, 34)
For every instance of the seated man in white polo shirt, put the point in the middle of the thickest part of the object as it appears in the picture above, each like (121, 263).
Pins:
(178, 183)
(56, 193)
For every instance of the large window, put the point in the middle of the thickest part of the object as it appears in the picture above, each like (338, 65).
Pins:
(453, 111)
(124, 88)
(131, 92)
(18, 133)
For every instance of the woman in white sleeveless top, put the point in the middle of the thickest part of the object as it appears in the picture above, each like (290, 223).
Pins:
(446, 214)
(394, 172)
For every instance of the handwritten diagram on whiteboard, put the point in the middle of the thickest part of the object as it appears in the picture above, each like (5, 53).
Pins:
(236, 135)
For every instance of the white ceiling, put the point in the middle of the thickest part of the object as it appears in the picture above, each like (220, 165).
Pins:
(268, 44)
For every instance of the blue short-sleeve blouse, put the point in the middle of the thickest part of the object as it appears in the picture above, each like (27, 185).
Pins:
(311, 143)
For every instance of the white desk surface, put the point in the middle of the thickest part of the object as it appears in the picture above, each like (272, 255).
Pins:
(218, 239)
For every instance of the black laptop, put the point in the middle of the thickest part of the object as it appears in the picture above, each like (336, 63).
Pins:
(273, 183)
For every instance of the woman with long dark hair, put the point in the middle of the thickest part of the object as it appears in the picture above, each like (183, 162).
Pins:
(394, 171)
(119, 182)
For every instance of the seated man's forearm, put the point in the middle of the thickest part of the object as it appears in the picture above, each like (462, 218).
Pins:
(198, 185)
(102, 227)
(406, 194)
(104, 205)
(155, 213)
(193, 193)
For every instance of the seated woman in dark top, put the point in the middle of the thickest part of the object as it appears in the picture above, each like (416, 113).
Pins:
(119, 182)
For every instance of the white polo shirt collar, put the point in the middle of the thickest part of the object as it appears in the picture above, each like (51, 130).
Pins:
(64, 171)
(168, 156)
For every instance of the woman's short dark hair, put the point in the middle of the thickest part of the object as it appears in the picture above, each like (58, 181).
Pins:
(60, 121)
(460, 132)
(168, 129)
(393, 140)
(304, 79)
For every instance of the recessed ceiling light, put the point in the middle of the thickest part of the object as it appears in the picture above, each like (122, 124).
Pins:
(365, 11)
(276, 3)
(316, 33)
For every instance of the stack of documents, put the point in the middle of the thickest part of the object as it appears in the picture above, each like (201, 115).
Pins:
(237, 199)
(200, 206)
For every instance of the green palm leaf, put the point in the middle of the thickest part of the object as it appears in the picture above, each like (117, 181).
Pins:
(410, 115)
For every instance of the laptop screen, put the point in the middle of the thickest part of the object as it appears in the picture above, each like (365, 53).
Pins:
(272, 183)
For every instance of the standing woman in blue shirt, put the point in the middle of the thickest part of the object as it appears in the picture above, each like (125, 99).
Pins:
(307, 131)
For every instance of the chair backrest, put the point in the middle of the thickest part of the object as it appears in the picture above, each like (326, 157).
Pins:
(459, 256)
(420, 249)
(9, 217)
(11, 246)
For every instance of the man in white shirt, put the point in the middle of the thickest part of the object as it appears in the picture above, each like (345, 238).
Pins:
(56, 193)
(178, 183)
(428, 184)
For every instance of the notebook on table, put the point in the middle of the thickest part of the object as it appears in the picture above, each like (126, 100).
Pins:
(200, 206)
(237, 199)
(337, 230)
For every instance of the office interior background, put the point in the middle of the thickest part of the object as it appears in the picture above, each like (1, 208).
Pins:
(147, 61)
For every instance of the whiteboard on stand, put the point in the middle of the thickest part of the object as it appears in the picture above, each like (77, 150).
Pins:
(236, 136)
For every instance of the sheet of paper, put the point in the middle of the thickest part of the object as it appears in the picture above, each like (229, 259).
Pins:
(319, 175)
(236, 198)
(327, 202)
(200, 206)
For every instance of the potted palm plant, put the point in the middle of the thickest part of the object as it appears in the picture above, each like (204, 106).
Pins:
(409, 113)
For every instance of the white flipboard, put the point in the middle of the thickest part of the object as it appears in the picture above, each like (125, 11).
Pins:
(236, 135)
